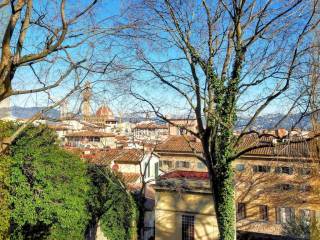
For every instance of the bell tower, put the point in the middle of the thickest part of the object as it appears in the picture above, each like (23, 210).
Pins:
(86, 96)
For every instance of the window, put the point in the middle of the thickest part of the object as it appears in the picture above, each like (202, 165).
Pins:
(241, 211)
(284, 170)
(305, 188)
(182, 164)
(261, 168)
(187, 227)
(240, 167)
(156, 169)
(306, 215)
(201, 165)
(284, 215)
(263, 211)
(285, 187)
(166, 163)
(182, 131)
(304, 171)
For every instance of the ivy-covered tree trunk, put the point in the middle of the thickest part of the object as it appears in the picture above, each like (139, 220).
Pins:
(223, 196)
(218, 147)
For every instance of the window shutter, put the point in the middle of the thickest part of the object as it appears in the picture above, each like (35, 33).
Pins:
(255, 168)
(148, 167)
(278, 215)
(291, 171)
(156, 170)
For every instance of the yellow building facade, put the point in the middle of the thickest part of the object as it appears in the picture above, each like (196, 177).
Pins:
(174, 210)
(274, 186)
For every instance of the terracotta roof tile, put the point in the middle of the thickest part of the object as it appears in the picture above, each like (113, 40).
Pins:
(122, 138)
(184, 144)
(194, 175)
(295, 147)
(106, 156)
(178, 180)
(150, 126)
(88, 133)
(129, 177)
(124, 155)
(59, 127)
(104, 111)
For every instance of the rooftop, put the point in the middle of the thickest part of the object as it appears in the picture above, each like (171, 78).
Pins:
(184, 144)
(178, 180)
(191, 175)
(106, 156)
(88, 133)
(105, 111)
(150, 126)
(129, 178)
(296, 147)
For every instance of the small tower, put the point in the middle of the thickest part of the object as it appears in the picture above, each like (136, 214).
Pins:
(64, 109)
(86, 99)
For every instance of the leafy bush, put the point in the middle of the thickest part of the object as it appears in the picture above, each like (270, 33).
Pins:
(4, 196)
(49, 188)
(48, 193)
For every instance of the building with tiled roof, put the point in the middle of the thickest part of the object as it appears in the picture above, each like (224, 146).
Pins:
(129, 162)
(119, 156)
(293, 148)
(90, 139)
(178, 152)
(181, 144)
(297, 147)
(274, 184)
(150, 132)
(88, 133)
(180, 126)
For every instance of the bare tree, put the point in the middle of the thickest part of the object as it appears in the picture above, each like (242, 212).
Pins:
(51, 48)
(19, 47)
(315, 81)
(224, 59)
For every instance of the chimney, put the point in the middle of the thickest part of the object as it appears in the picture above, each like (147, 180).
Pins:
(281, 133)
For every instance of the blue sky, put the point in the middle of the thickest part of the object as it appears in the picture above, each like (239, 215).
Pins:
(108, 92)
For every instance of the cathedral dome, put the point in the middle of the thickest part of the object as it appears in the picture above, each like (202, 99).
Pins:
(104, 111)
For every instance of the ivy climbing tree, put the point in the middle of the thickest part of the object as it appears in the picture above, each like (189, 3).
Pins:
(216, 60)
(111, 205)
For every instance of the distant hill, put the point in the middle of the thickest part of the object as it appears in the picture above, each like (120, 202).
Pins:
(269, 121)
(28, 112)
(262, 122)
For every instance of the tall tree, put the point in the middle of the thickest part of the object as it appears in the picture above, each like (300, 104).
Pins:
(111, 205)
(48, 48)
(224, 59)
(315, 76)
(19, 47)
